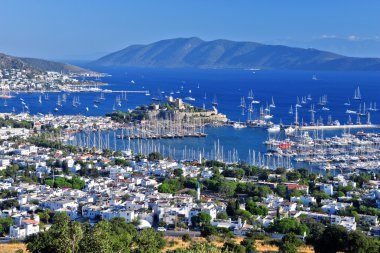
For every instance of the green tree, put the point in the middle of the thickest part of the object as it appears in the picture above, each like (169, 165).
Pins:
(290, 243)
(333, 239)
(201, 219)
(149, 241)
(5, 224)
(155, 156)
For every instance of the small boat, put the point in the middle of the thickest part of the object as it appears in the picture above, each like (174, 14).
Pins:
(274, 129)
(214, 102)
(272, 105)
(132, 81)
(40, 99)
(350, 112)
(56, 109)
(238, 125)
(298, 102)
(357, 95)
(95, 106)
(87, 109)
(189, 98)
(5, 103)
(102, 96)
(314, 77)
(198, 86)
(291, 110)
(348, 103)
(250, 95)
(177, 92)
(325, 109)
(309, 97)
(147, 93)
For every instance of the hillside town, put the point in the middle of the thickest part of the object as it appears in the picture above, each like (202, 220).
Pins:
(22, 80)
(41, 177)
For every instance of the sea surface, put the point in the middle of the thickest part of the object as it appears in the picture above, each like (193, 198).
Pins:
(228, 86)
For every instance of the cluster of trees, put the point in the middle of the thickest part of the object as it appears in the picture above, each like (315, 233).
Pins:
(288, 225)
(336, 238)
(5, 224)
(125, 117)
(61, 182)
(7, 122)
(172, 185)
(155, 156)
(45, 140)
(104, 237)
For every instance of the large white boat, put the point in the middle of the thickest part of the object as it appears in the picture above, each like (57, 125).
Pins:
(238, 125)
(274, 129)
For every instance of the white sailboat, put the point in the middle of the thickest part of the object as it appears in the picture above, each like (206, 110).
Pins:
(291, 110)
(348, 103)
(357, 95)
(40, 99)
(272, 105)
(214, 102)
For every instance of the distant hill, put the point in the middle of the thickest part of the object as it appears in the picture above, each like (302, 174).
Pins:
(37, 65)
(196, 53)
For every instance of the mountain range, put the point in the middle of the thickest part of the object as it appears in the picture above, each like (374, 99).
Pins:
(37, 65)
(196, 53)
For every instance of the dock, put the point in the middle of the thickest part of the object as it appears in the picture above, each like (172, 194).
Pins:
(337, 127)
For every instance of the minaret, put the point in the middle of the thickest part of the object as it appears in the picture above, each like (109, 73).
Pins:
(198, 192)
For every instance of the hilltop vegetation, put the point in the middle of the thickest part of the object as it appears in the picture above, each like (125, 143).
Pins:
(37, 65)
(196, 53)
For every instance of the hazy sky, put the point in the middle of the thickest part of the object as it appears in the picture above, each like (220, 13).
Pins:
(86, 29)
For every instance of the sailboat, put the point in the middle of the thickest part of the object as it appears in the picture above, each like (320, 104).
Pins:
(205, 97)
(198, 86)
(250, 95)
(5, 103)
(46, 97)
(272, 105)
(102, 96)
(291, 110)
(40, 99)
(357, 95)
(214, 102)
(314, 77)
(348, 103)
(309, 97)
(59, 101)
(298, 102)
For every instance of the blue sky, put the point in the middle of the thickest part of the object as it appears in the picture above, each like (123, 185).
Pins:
(87, 29)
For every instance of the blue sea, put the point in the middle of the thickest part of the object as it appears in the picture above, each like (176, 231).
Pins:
(228, 86)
